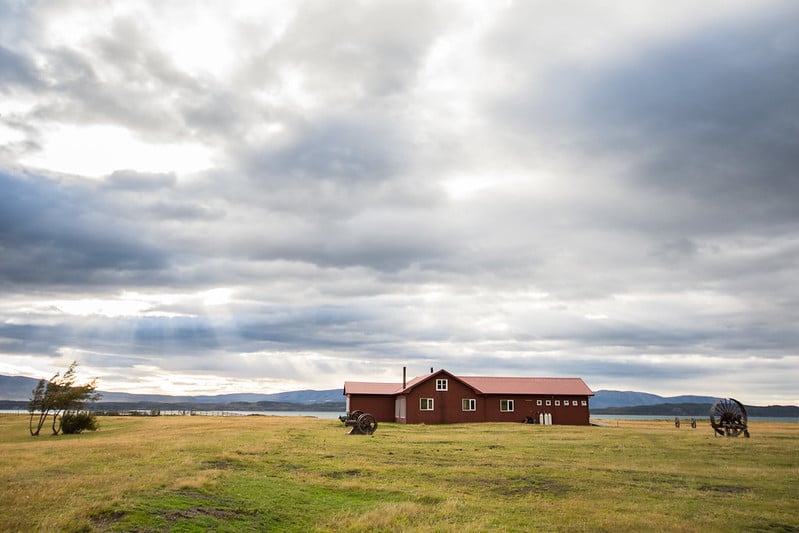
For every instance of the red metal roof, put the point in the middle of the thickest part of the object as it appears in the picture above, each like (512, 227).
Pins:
(484, 385)
(418, 379)
(493, 385)
(363, 387)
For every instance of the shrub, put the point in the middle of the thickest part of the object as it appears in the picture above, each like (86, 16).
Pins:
(72, 423)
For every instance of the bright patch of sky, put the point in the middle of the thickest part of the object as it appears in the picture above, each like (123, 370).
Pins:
(96, 151)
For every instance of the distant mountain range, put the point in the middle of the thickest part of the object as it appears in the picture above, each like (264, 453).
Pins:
(18, 388)
(613, 398)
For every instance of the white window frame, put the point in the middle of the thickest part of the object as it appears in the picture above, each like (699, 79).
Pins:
(442, 385)
(557, 403)
(583, 402)
(509, 406)
(426, 404)
(539, 402)
(469, 404)
(549, 402)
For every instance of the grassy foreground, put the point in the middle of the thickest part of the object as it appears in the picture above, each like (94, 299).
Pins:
(260, 473)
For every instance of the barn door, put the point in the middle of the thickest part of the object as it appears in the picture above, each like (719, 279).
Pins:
(399, 409)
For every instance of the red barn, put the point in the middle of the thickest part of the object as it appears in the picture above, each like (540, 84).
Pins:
(442, 398)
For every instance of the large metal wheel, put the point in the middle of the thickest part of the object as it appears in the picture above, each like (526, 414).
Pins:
(355, 414)
(728, 418)
(367, 424)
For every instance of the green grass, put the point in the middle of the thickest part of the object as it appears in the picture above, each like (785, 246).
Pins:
(303, 474)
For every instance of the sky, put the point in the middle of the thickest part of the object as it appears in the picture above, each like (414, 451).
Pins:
(215, 197)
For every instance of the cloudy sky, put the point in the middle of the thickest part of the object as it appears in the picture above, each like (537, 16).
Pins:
(211, 197)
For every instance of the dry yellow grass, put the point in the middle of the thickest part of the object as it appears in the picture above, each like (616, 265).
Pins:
(299, 474)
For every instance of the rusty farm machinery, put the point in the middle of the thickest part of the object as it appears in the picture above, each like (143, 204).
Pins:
(728, 418)
(360, 422)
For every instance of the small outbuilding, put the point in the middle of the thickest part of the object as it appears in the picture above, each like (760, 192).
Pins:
(443, 398)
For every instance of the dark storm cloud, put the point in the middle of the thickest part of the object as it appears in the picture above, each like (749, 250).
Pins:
(29, 338)
(184, 211)
(175, 336)
(51, 232)
(16, 69)
(706, 124)
(341, 149)
(131, 180)
(716, 117)
(687, 150)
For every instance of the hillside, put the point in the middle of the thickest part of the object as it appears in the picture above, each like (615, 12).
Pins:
(612, 398)
(18, 389)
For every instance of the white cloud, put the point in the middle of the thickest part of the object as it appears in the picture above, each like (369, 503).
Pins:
(294, 194)
(96, 151)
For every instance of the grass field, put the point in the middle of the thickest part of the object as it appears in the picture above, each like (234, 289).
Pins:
(261, 473)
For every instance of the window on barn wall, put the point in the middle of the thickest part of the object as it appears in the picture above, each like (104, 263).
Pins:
(425, 404)
(506, 406)
(469, 404)
(442, 385)
(549, 402)
(539, 402)
(584, 402)
(557, 402)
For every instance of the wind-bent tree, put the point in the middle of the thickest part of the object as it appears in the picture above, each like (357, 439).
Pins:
(64, 401)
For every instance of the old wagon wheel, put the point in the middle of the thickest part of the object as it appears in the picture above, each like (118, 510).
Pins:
(728, 418)
(367, 424)
(355, 414)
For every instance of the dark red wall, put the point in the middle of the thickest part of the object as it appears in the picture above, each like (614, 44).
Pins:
(448, 406)
(381, 407)
(525, 406)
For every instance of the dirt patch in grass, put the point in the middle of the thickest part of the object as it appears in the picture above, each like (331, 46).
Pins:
(520, 485)
(515, 486)
(106, 519)
(196, 512)
(223, 464)
(779, 528)
(194, 506)
(344, 474)
(726, 489)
